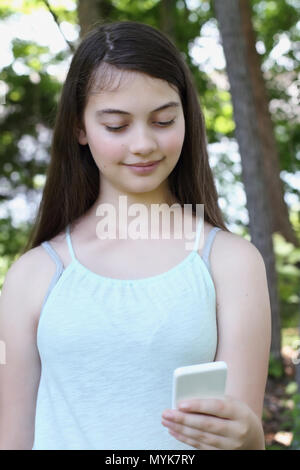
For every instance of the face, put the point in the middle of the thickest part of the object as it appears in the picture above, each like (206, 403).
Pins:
(140, 134)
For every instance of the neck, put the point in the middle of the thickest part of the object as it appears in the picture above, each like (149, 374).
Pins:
(121, 206)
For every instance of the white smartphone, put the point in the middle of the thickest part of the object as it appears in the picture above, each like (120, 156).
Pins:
(199, 381)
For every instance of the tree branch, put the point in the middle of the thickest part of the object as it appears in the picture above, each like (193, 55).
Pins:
(55, 17)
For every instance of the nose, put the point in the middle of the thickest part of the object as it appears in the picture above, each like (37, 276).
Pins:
(143, 142)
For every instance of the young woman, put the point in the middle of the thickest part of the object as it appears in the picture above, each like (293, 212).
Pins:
(94, 327)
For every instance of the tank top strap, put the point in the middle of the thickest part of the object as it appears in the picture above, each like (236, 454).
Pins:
(54, 256)
(208, 244)
(59, 268)
(68, 238)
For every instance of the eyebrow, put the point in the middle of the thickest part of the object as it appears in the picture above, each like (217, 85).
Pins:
(120, 111)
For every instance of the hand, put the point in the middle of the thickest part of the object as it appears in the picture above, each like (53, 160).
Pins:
(215, 424)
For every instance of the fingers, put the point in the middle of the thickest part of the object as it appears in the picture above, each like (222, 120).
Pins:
(198, 422)
(193, 442)
(211, 406)
(196, 437)
(214, 423)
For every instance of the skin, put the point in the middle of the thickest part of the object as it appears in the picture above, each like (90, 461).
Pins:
(243, 308)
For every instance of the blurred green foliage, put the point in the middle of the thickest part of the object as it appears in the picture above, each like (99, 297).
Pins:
(287, 259)
(274, 21)
(295, 415)
(276, 370)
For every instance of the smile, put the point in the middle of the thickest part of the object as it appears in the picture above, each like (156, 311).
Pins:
(143, 169)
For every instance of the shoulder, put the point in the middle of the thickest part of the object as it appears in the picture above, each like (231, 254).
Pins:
(27, 279)
(240, 279)
(232, 254)
(33, 262)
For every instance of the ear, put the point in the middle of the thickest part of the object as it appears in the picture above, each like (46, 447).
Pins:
(82, 138)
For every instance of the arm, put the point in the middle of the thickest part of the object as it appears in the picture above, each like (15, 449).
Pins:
(244, 322)
(19, 376)
(244, 332)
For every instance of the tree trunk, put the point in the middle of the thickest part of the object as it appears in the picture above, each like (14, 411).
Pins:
(279, 215)
(91, 12)
(167, 12)
(248, 137)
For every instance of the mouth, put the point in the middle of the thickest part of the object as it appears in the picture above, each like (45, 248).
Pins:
(144, 164)
(145, 167)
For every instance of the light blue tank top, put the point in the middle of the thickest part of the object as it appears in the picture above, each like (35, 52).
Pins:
(108, 348)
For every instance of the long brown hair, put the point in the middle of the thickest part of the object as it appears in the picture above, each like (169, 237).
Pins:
(72, 180)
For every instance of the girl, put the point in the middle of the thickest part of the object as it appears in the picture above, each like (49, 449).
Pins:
(93, 339)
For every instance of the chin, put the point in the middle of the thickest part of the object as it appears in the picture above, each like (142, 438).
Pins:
(141, 189)
(143, 186)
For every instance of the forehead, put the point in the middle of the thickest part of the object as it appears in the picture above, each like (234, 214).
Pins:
(111, 85)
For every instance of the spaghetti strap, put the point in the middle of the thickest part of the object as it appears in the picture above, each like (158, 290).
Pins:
(59, 268)
(207, 246)
(54, 255)
(68, 237)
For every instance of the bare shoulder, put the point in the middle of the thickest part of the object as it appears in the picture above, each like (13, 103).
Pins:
(29, 276)
(230, 249)
(32, 263)
(235, 261)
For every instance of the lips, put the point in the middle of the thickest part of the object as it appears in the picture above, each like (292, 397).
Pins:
(143, 164)
(145, 168)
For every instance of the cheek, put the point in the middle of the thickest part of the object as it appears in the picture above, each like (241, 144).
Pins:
(106, 149)
(172, 144)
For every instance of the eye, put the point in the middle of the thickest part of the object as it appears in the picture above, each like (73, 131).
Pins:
(167, 123)
(114, 129)
(163, 124)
